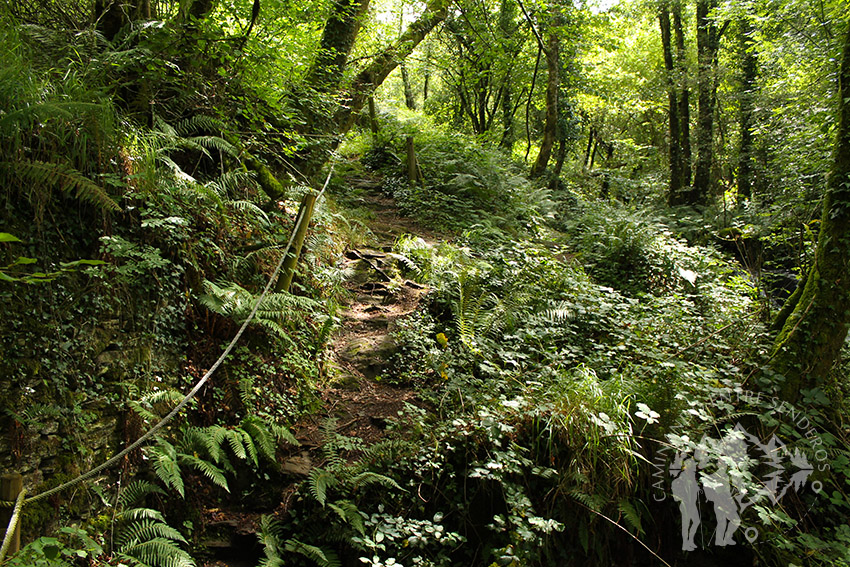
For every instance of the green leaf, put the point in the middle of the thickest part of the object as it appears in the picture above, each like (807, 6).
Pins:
(6, 237)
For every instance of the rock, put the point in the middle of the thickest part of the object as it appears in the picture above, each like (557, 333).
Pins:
(298, 465)
(370, 355)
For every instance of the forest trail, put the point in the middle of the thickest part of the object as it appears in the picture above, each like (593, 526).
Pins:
(357, 399)
(360, 404)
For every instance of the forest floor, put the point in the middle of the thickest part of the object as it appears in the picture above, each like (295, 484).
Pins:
(355, 398)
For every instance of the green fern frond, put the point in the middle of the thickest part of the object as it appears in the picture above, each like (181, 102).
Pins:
(28, 116)
(63, 176)
(349, 513)
(252, 209)
(250, 447)
(319, 482)
(368, 477)
(197, 123)
(206, 468)
(164, 460)
(156, 553)
(284, 434)
(593, 501)
(211, 195)
(560, 312)
(213, 143)
(270, 533)
(136, 492)
(234, 440)
(135, 514)
(218, 435)
(246, 391)
(384, 451)
(631, 515)
(323, 557)
(262, 436)
(146, 530)
(144, 406)
(164, 127)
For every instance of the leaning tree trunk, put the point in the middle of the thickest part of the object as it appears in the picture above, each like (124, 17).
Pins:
(707, 42)
(338, 39)
(371, 77)
(550, 128)
(811, 339)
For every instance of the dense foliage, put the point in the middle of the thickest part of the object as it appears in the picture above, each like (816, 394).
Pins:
(578, 334)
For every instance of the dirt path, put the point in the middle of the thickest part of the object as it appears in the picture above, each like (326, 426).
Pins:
(362, 350)
(358, 400)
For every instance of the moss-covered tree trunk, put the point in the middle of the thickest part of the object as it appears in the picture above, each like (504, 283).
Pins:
(338, 37)
(811, 339)
(371, 76)
(550, 127)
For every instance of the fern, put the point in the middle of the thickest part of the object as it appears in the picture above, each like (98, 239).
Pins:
(366, 478)
(231, 300)
(155, 553)
(263, 438)
(63, 176)
(209, 470)
(319, 482)
(137, 491)
(283, 434)
(146, 530)
(133, 514)
(165, 465)
(143, 536)
(252, 209)
(631, 515)
(196, 123)
(349, 513)
(234, 440)
(145, 406)
(323, 557)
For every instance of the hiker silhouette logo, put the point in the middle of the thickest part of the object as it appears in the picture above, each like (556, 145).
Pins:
(730, 474)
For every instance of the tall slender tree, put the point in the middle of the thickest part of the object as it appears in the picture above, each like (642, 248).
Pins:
(682, 81)
(746, 98)
(676, 185)
(707, 45)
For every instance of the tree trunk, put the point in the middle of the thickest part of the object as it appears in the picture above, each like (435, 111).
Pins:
(560, 157)
(507, 18)
(371, 77)
(550, 129)
(427, 79)
(707, 40)
(749, 75)
(685, 98)
(409, 98)
(338, 39)
(811, 339)
(674, 192)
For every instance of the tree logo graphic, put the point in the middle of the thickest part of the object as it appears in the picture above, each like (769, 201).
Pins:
(731, 474)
